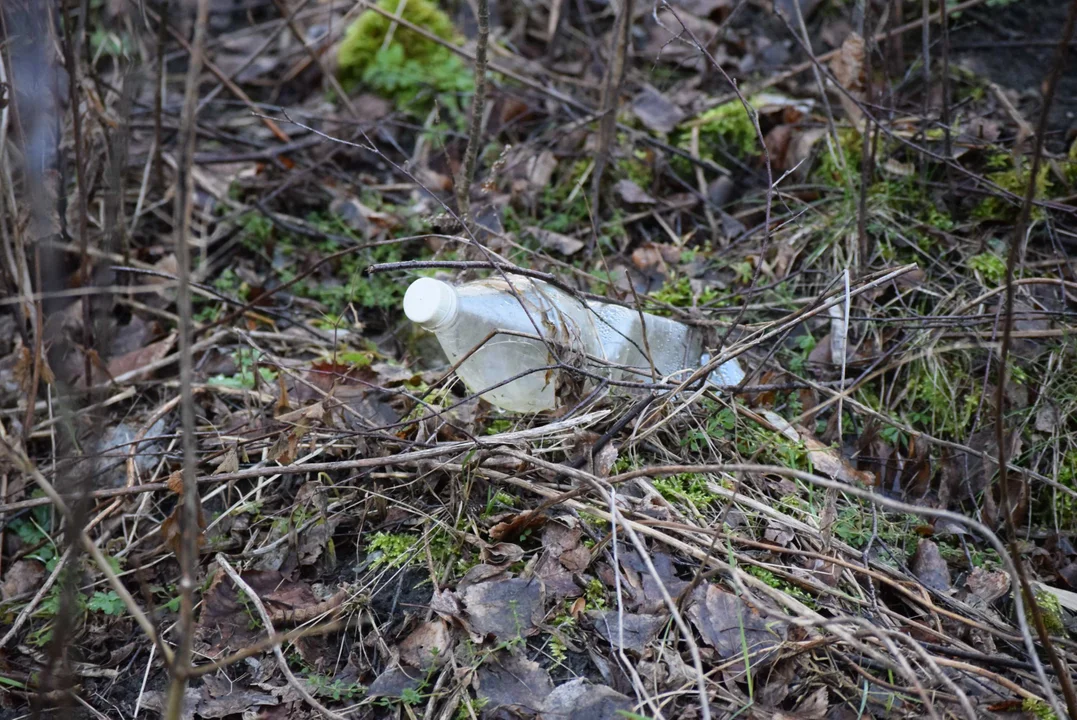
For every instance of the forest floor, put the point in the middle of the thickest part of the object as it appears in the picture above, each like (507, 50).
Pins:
(835, 194)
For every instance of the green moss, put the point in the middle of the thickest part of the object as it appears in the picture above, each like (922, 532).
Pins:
(990, 265)
(678, 292)
(1051, 610)
(830, 169)
(1038, 709)
(366, 36)
(730, 125)
(412, 70)
(687, 486)
(1014, 179)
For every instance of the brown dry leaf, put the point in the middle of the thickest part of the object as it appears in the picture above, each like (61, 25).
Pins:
(637, 630)
(225, 621)
(170, 528)
(726, 623)
(139, 359)
(579, 699)
(930, 567)
(24, 577)
(506, 609)
(175, 482)
(517, 525)
(228, 464)
(988, 586)
(564, 244)
(427, 646)
(508, 679)
(814, 706)
(656, 112)
(632, 193)
(848, 69)
(823, 458)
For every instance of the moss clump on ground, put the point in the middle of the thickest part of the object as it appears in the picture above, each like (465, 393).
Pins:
(411, 69)
(1013, 179)
(730, 125)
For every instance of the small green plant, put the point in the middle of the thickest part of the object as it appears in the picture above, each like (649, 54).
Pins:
(107, 602)
(244, 376)
(471, 707)
(334, 689)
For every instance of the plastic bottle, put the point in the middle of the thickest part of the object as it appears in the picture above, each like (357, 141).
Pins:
(602, 339)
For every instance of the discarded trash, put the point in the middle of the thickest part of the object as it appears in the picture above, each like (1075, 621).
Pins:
(512, 342)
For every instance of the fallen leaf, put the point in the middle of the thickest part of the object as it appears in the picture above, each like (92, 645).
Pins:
(580, 700)
(988, 585)
(632, 193)
(557, 242)
(508, 679)
(727, 624)
(139, 359)
(656, 112)
(24, 577)
(823, 458)
(626, 631)
(427, 646)
(929, 566)
(506, 609)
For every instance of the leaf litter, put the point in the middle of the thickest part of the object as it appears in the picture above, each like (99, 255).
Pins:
(412, 541)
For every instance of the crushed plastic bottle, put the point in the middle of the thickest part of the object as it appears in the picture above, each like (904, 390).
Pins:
(508, 340)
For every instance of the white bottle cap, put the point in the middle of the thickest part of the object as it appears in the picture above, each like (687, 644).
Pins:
(430, 302)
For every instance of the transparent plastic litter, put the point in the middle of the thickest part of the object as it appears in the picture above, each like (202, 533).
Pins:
(510, 341)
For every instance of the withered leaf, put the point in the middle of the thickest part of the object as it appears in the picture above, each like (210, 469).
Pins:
(509, 679)
(427, 646)
(505, 609)
(727, 624)
(930, 567)
(627, 631)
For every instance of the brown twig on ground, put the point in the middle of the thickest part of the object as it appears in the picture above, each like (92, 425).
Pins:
(466, 175)
(189, 527)
(1017, 242)
(282, 662)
